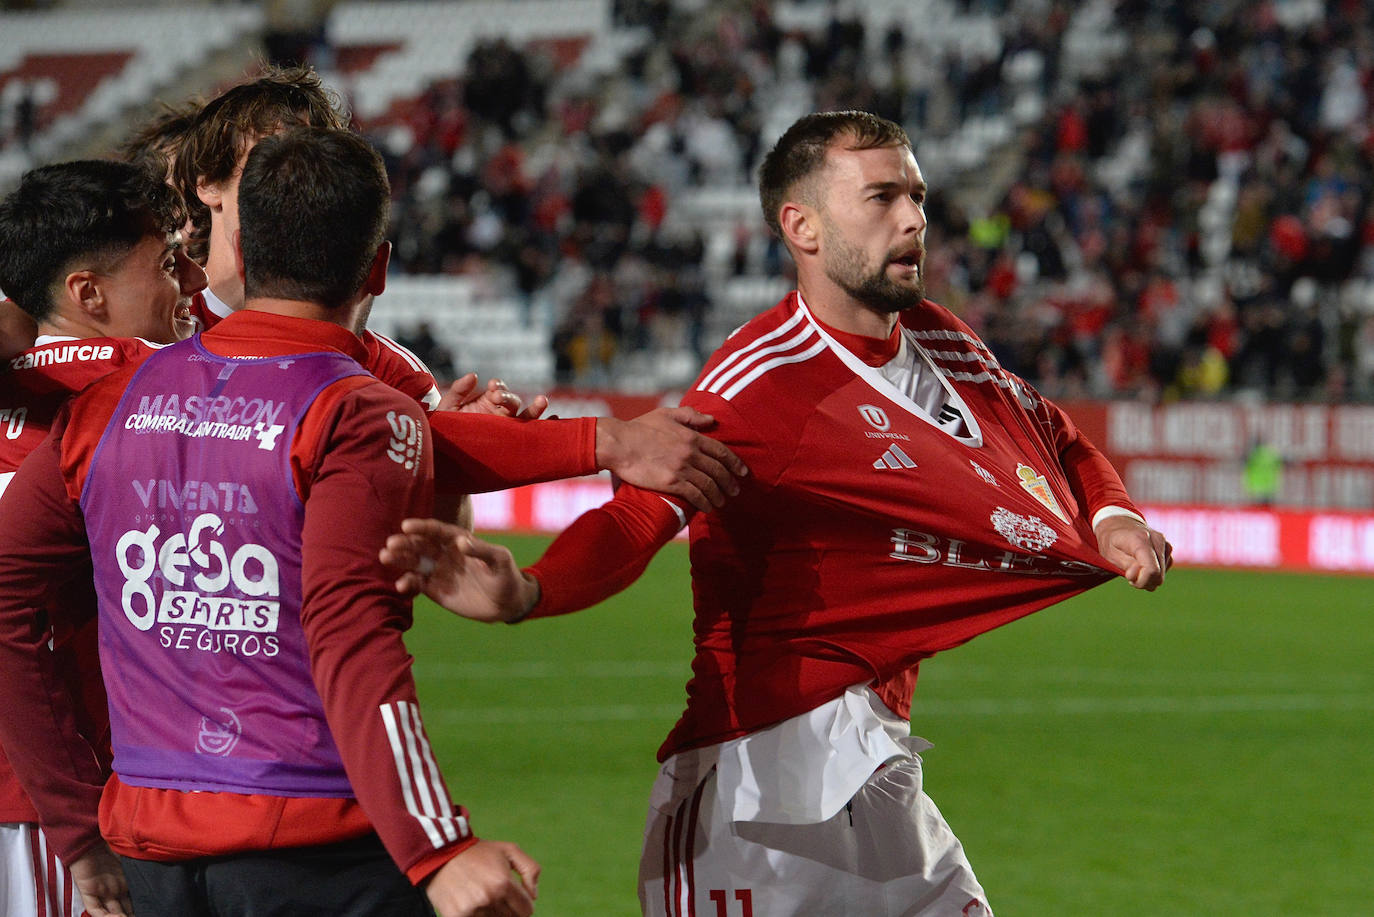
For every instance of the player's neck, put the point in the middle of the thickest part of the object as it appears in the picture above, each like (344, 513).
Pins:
(873, 351)
(59, 325)
(836, 308)
(223, 275)
(344, 316)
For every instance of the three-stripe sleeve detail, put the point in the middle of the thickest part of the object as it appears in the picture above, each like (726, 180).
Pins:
(771, 350)
(422, 787)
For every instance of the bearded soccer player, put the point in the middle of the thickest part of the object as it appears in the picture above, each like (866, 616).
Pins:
(269, 753)
(906, 494)
(660, 450)
(90, 251)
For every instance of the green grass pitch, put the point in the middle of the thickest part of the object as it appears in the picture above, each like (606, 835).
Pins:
(1205, 750)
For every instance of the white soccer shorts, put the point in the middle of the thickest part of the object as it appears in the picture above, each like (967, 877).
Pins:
(889, 853)
(34, 883)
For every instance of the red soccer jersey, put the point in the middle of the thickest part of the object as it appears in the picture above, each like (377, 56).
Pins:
(38, 382)
(866, 537)
(399, 368)
(42, 378)
(473, 453)
(394, 364)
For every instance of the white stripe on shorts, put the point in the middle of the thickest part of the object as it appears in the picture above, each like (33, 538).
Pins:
(33, 881)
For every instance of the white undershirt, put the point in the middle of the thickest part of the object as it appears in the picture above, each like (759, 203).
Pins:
(912, 375)
(806, 768)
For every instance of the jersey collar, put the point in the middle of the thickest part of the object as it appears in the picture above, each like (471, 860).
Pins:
(873, 351)
(215, 305)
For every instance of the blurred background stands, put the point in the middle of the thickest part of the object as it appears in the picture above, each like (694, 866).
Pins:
(1119, 208)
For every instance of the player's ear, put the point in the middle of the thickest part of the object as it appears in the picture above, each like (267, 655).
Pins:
(82, 290)
(376, 275)
(211, 195)
(800, 227)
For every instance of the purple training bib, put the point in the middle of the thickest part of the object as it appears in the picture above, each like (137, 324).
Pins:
(195, 532)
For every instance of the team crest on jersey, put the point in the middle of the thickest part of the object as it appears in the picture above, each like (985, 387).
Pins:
(1028, 532)
(1036, 485)
(875, 416)
(984, 473)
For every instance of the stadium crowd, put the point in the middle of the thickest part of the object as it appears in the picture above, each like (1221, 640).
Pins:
(1177, 222)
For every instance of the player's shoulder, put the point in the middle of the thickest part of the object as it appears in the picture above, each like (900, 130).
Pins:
(208, 310)
(365, 394)
(931, 322)
(129, 356)
(771, 348)
(75, 363)
(399, 367)
(361, 417)
(390, 354)
(92, 406)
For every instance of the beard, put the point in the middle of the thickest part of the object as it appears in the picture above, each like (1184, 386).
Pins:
(875, 289)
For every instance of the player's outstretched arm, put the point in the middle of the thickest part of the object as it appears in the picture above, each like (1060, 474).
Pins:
(1142, 554)
(488, 879)
(664, 451)
(496, 398)
(100, 879)
(459, 571)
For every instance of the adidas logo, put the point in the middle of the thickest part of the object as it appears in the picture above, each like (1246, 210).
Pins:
(894, 457)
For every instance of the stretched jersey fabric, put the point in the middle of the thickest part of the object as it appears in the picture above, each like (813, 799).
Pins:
(867, 537)
(389, 361)
(38, 381)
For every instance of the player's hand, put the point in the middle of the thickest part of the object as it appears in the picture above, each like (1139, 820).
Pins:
(496, 398)
(489, 879)
(663, 451)
(1142, 554)
(468, 576)
(100, 879)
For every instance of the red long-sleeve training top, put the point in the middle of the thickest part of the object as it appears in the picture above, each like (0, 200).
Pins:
(352, 618)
